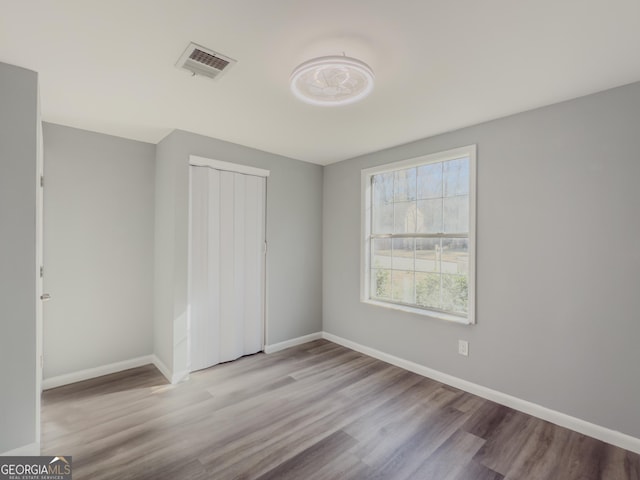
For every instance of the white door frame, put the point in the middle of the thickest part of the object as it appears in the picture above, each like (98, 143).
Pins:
(39, 268)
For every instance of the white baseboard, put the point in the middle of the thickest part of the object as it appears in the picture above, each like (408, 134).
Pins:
(89, 373)
(276, 347)
(31, 450)
(173, 378)
(607, 435)
(180, 376)
(164, 370)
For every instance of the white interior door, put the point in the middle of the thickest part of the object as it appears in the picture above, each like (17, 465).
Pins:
(226, 265)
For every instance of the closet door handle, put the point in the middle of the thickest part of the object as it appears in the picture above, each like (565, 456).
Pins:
(45, 296)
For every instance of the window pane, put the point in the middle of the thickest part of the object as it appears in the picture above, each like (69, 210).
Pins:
(456, 177)
(382, 203)
(430, 181)
(381, 284)
(381, 253)
(427, 254)
(456, 214)
(402, 286)
(382, 219)
(383, 188)
(404, 185)
(455, 294)
(402, 258)
(429, 216)
(455, 256)
(405, 217)
(428, 289)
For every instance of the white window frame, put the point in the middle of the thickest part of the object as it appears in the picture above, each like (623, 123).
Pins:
(365, 250)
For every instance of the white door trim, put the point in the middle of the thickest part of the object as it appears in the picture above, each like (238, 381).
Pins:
(197, 161)
(39, 264)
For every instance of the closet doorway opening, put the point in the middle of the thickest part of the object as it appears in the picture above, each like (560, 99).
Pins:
(227, 261)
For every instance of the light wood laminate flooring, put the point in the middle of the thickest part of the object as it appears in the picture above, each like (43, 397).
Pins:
(316, 411)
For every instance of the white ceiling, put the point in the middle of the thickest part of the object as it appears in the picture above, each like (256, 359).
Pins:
(108, 66)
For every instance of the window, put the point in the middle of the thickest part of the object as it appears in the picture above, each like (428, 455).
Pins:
(418, 227)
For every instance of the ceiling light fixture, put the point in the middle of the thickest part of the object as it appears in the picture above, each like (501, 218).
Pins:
(334, 80)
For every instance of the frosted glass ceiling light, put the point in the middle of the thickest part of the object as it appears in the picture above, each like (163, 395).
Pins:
(334, 80)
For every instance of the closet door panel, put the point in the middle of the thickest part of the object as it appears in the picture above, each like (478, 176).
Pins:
(210, 341)
(201, 324)
(254, 264)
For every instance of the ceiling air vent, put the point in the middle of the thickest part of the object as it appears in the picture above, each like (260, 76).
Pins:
(203, 61)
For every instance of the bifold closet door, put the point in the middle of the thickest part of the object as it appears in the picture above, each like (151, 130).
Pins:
(226, 265)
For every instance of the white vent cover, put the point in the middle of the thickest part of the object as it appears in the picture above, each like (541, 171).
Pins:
(203, 61)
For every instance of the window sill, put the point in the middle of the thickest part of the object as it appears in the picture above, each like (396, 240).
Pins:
(419, 311)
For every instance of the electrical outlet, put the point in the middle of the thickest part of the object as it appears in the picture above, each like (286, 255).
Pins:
(463, 347)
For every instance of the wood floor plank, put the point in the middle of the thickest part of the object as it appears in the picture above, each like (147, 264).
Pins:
(476, 471)
(468, 403)
(620, 463)
(307, 463)
(486, 419)
(507, 441)
(449, 460)
(396, 410)
(398, 455)
(541, 448)
(422, 427)
(316, 411)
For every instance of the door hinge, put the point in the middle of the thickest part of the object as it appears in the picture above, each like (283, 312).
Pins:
(265, 248)
(42, 180)
(41, 272)
(41, 361)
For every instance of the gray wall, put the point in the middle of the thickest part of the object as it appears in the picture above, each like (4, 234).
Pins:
(99, 211)
(294, 236)
(18, 156)
(558, 263)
